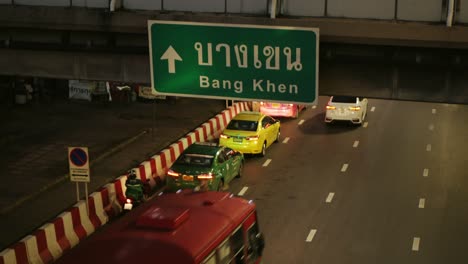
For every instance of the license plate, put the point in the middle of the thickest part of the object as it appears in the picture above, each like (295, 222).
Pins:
(237, 140)
(187, 178)
(128, 206)
(275, 105)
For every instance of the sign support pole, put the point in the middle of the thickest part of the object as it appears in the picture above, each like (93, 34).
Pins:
(153, 132)
(86, 198)
(77, 192)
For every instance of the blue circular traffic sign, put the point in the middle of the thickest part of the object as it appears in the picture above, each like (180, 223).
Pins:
(78, 157)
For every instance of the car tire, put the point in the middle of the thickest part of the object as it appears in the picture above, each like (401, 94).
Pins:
(220, 185)
(296, 116)
(241, 169)
(278, 136)
(263, 153)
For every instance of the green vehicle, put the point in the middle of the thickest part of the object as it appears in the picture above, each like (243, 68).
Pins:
(205, 166)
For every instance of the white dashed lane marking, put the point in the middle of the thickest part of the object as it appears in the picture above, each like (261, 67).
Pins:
(372, 109)
(428, 147)
(426, 172)
(286, 140)
(365, 124)
(356, 144)
(431, 127)
(301, 122)
(266, 162)
(422, 202)
(344, 167)
(415, 246)
(311, 235)
(242, 192)
(314, 106)
(330, 197)
(434, 111)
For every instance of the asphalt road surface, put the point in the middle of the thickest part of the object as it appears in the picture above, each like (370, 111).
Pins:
(391, 191)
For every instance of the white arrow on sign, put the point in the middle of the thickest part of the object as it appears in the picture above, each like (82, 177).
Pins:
(171, 56)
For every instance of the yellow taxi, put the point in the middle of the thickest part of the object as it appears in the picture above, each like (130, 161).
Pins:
(251, 133)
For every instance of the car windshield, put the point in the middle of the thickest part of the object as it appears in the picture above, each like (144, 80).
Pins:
(195, 159)
(344, 99)
(242, 125)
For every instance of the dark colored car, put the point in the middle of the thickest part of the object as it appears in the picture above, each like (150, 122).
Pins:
(205, 165)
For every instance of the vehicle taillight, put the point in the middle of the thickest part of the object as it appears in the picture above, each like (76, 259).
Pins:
(252, 138)
(262, 103)
(208, 176)
(224, 136)
(331, 107)
(173, 174)
(354, 108)
(128, 201)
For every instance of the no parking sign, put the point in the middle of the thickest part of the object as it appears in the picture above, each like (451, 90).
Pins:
(78, 160)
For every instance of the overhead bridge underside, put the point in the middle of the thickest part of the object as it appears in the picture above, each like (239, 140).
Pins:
(387, 59)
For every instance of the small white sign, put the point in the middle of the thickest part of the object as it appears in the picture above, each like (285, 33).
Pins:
(81, 89)
(149, 93)
(78, 160)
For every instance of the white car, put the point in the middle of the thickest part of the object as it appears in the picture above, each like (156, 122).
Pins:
(346, 108)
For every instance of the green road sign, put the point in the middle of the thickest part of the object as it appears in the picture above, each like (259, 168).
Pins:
(237, 62)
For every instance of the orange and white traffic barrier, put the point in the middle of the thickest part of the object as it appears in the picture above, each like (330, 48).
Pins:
(120, 188)
(68, 230)
(97, 214)
(175, 151)
(109, 199)
(51, 240)
(8, 256)
(81, 228)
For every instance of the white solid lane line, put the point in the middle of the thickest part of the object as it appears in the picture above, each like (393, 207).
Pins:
(286, 140)
(431, 127)
(330, 197)
(422, 202)
(301, 122)
(428, 147)
(242, 192)
(372, 109)
(426, 172)
(356, 143)
(344, 167)
(434, 110)
(266, 162)
(311, 235)
(416, 241)
(365, 124)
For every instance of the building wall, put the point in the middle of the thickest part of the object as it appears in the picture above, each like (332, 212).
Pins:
(142, 4)
(315, 8)
(420, 10)
(408, 10)
(41, 2)
(215, 6)
(376, 9)
(462, 15)
(247, 6)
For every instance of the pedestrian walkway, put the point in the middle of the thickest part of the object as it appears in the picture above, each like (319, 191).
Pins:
(34, 145)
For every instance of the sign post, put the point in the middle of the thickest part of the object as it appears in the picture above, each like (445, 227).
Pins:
(78, 160)
(234, 62)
